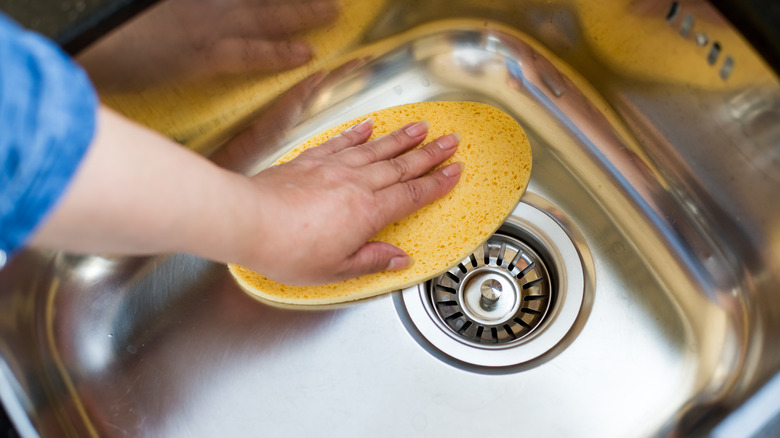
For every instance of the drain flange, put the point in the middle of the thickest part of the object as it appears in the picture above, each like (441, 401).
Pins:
(510, 302)
(498, 295)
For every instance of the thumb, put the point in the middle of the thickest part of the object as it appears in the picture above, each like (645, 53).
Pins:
(376, 257)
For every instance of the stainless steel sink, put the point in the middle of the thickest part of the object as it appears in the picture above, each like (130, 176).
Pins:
(653, 201)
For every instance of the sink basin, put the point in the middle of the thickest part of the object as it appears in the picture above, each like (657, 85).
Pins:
(653, 201)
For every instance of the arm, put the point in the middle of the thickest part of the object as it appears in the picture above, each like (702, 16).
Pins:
(137, 192)
(122, 189)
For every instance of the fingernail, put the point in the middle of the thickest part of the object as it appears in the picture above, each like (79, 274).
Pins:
(453, 169)
(449, 141)
(363, 127)
(417, 129)
(398, 263)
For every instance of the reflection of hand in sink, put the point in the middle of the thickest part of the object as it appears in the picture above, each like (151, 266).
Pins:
(242, 151)
(191, 39)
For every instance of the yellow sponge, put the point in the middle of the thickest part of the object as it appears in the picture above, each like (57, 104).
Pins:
(497, 159)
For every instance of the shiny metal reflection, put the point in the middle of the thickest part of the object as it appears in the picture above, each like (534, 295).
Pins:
(491, 291)
(643, 153)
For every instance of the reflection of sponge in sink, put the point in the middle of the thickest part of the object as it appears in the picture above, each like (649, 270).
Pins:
(497, 159)
(199, 113)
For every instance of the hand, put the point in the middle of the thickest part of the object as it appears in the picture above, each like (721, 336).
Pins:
(318, 211)
(184, 40)
(308, 221)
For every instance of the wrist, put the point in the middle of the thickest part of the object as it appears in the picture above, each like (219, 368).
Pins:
(236, 221)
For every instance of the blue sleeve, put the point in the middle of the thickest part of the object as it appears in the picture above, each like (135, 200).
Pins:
(47, 120)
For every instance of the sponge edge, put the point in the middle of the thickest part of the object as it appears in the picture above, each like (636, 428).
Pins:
(497, 157)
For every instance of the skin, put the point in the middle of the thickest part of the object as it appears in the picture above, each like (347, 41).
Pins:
(137, 192)
(177, 41)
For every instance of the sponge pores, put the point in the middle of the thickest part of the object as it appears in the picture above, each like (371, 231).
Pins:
(497, 158)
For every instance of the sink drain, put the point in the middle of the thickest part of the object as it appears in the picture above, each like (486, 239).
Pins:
(499, 295)
(512, 300)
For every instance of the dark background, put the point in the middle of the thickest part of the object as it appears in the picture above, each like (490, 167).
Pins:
(6, 430)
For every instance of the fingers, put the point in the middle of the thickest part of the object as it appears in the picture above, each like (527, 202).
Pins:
(375, 257)
(353, 136)
(389, 146)
(413, 163)
(404, 198)
(275, 21)
(286, 19)
(241, 55)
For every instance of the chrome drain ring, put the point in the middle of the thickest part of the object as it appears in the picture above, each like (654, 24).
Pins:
(425, 312)
(498, 295)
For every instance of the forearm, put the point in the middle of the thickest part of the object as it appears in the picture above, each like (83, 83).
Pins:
(137, 192)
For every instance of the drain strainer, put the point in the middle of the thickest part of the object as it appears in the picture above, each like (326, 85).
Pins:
(499, 295)
(511, 301)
